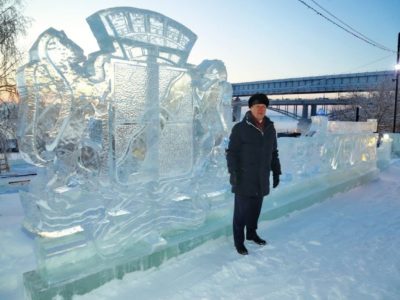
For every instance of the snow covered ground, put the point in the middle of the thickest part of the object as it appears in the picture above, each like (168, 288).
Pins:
(346, 247)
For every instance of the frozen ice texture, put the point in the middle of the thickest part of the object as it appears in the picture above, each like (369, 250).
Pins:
(125, 135)
(328, 146)
(131, 141)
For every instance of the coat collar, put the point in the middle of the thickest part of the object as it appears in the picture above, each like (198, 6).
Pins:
(248, 118)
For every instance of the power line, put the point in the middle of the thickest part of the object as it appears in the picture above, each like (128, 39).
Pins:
(372, 62)
(351, 31)
(348, 26)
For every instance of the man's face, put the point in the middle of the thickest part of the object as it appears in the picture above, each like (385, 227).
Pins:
(258, 111)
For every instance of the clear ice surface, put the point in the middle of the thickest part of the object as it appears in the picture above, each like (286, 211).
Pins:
(131, 139)
(131, 142)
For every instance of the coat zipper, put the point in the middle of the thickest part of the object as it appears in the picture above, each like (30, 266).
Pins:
(251, 124)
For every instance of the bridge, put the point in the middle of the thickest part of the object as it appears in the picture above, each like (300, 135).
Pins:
(282, 105)
(342, 83)
(354, 82)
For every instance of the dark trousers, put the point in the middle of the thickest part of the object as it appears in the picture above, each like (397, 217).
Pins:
(246, 213)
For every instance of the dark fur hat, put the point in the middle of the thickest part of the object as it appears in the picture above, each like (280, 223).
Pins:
(258, 99)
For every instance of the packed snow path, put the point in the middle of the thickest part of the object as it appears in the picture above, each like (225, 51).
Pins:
(343, 248)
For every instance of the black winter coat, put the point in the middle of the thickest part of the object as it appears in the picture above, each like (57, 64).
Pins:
(251, 155)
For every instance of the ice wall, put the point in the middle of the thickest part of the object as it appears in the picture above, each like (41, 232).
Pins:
(331, 158)
(328, 146)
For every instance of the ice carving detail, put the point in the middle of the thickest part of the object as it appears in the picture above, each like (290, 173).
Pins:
(132, 142)
(123, 134)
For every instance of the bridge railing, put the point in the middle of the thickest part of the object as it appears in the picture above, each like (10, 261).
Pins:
(317, 84)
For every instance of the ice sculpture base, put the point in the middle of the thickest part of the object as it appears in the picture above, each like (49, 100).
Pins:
(37, 288)
(281, 202)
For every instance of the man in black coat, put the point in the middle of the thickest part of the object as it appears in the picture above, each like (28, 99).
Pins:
(251, 155)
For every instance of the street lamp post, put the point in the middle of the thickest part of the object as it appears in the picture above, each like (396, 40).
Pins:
(397, 84)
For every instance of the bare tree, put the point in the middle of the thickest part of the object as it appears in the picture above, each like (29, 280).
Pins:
(377, 104)
(12, 25)
(8, 122)
(380, 106)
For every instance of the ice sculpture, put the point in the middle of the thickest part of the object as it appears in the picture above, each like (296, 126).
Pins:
(126, 135)
(131, 144)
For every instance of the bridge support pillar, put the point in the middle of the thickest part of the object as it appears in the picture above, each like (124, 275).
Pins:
(236, 109)
(313, 110)
(304, 113)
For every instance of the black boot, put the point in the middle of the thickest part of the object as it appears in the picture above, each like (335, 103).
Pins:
(255, 238)
(241, 249)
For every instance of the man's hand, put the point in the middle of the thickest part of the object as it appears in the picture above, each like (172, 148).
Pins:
(275, 180)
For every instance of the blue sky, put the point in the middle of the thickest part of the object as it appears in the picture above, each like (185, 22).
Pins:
(256, 39)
